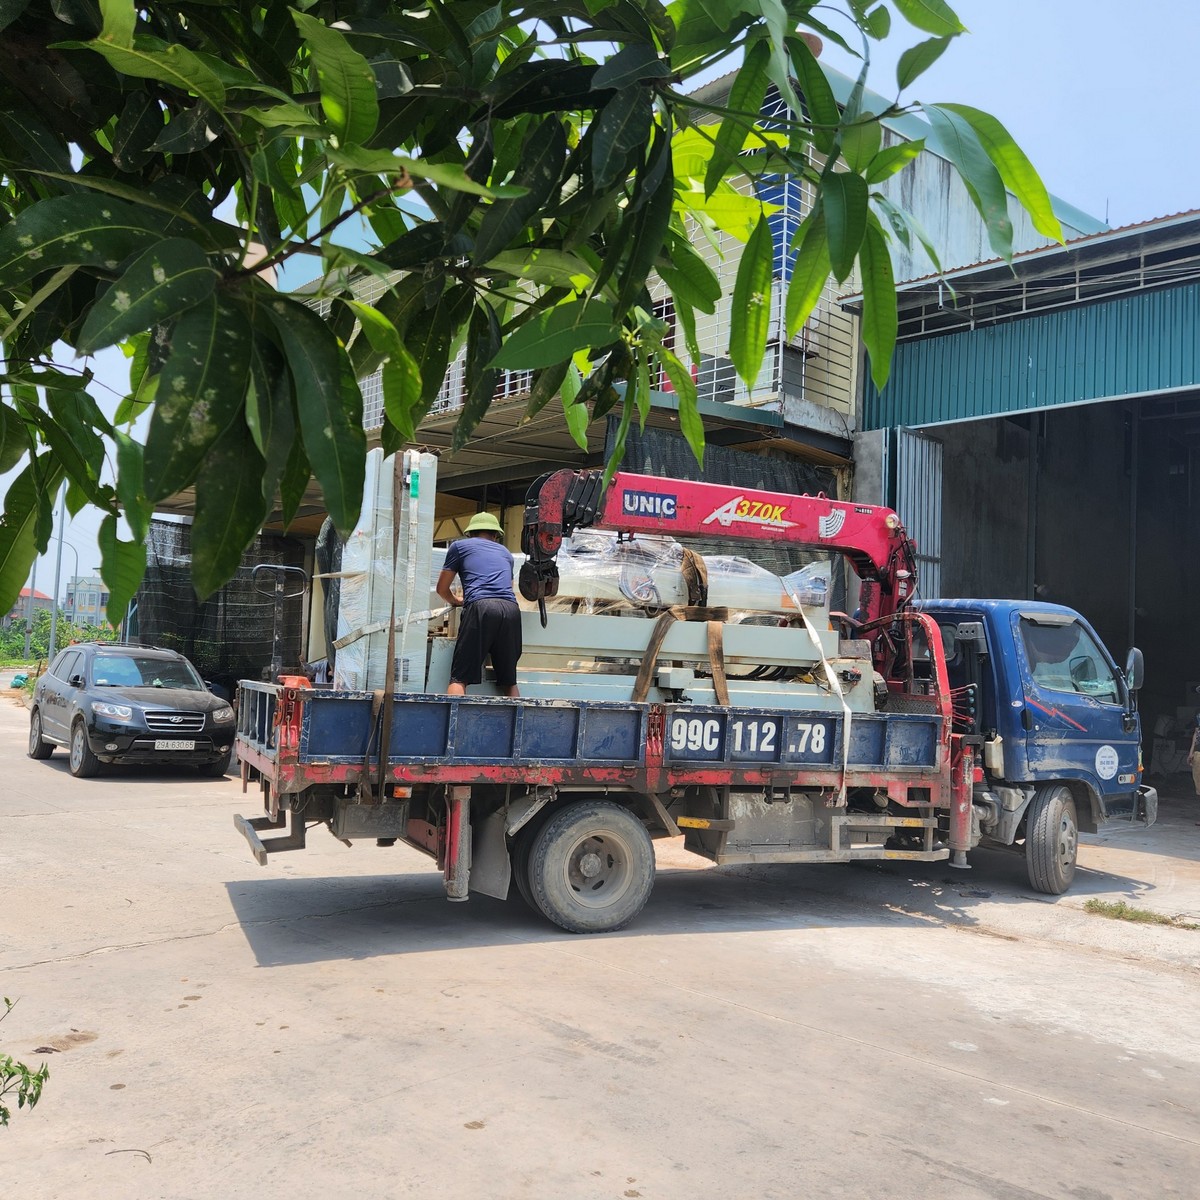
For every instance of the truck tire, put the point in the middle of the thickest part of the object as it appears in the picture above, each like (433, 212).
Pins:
(591, 867)
(38, 746)
(518, 857)
(83, 764)
(1051, 839)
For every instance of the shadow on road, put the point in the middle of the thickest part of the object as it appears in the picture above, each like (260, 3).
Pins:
(293, 921)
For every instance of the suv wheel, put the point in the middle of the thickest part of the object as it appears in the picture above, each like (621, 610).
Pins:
(38, 746)
(83, 762)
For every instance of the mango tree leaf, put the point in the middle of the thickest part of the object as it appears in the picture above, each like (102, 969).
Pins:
(892, 159)
(878, 22)
(745, 96)
(641, 393)
(879, 320)
(651, 222)
(818, 96)
(347, 82)
(983, 181)
(483, 341)
(14, 439)
(916, 60)
(622, 125)
(617, 454)
(751, 313)
(576, 415)
(230, 508)
(690, 277)
(92, 231)
(933, 16)
(334, 441)
(690, 424)
(120, 20)
(1015, 169)
(130, 489)
(269, 414)
(138, 127)
(546, 385)
(545, 150)
(402, 393)
(553, 335)
(860, 142)
(27, 516)
(200, 392)
(547, 267)
(10, 10)
(165, 280)
(170, 63)
(809, 274)
(845, 208)
(629, 66)
(122, 566)
(294, 483)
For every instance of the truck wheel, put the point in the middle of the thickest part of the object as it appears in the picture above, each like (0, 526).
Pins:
(38, 746)
(1051, 839)
(83, 763)
(518, 858)
(591, 867)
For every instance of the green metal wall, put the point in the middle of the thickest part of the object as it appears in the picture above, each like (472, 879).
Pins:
(1140, 343)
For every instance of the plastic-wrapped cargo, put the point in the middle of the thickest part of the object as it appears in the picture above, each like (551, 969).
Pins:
(599, 572)
(377, 587)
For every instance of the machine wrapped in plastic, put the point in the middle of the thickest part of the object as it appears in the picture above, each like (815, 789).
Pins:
(383, 577)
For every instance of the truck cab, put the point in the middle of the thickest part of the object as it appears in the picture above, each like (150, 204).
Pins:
(1056, 725)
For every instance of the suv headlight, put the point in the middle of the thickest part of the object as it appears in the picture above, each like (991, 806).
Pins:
(114, 712)
(223, 716)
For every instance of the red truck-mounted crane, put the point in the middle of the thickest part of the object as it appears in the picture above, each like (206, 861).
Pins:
(563, 797)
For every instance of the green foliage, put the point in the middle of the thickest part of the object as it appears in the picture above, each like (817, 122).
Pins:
(18, 1079)
(527, 171)
(12, 638)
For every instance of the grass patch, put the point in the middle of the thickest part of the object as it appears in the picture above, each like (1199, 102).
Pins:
(1118, 910)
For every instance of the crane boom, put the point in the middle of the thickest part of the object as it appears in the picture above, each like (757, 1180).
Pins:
(870, 537)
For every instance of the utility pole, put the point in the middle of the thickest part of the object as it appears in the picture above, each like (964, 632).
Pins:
(29, 609)
(62, 523)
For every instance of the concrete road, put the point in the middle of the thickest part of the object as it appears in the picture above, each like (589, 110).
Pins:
(330, 1026)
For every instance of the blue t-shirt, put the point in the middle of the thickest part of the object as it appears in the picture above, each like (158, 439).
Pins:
(485, 568)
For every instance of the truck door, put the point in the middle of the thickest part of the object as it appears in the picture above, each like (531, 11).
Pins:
(1075, 710)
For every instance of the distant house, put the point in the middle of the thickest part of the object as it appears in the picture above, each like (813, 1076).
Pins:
(87, 600)
(20, 609)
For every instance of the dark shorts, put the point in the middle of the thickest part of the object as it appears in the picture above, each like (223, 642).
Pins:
(488, 627)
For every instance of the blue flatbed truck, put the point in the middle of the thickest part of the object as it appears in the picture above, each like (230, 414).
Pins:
(997, 721)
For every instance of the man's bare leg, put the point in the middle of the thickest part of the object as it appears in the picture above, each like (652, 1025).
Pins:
(456, 689)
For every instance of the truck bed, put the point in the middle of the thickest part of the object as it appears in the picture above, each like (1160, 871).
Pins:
(297, 738)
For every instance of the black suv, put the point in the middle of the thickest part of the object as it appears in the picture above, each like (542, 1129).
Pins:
(128, 704)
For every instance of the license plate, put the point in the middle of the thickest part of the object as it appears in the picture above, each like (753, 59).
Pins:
(173, 744)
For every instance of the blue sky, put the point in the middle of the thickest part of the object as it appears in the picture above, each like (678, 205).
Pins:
(1100, 95)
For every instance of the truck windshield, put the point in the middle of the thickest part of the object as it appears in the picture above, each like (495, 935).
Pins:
(1066, 658)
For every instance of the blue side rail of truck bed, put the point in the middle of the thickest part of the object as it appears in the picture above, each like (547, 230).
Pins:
(297, 738)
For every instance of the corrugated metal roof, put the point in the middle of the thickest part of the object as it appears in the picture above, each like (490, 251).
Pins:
(1173, 223)
(1137, 344)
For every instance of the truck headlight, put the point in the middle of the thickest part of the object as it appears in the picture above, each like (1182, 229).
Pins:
(114, 712)
(223, 716)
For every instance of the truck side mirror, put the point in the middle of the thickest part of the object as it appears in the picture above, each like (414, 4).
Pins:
(1135, 669)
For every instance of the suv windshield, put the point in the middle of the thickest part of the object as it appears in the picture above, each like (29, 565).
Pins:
(134, 670)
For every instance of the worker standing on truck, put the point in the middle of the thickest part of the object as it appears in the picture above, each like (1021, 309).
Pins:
(491, 618)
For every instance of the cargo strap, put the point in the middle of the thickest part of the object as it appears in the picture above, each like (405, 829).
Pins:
(427, 614)
(834, 682)
(716, 618)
